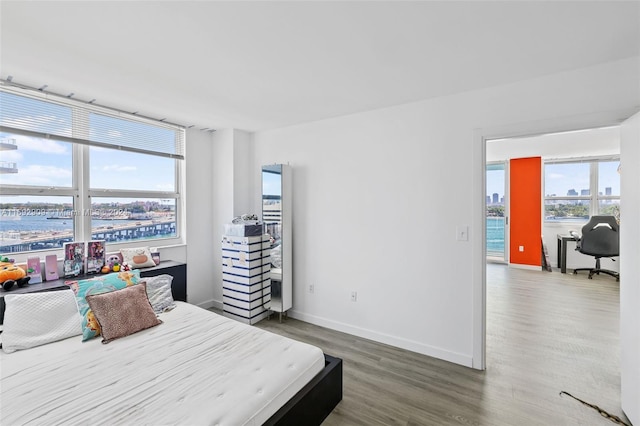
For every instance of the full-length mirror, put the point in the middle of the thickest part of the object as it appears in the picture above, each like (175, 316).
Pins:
(276, 215)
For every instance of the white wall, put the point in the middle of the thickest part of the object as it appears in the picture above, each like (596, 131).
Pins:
(242, 174)
(222, 188)
(199, 204)
(378, 196)
(230, 189)
(630, 270)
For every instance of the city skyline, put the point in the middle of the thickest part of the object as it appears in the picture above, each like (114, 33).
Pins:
(497, 198)
(561, 178)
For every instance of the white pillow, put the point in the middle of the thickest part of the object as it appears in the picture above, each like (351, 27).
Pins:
(138, 257)
(159, 293)
(34, 319)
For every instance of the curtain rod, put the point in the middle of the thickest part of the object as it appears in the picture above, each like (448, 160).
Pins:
(68, 98)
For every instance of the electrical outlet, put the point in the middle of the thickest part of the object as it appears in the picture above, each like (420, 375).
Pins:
(311, 288)
(354, 296)
(521, 248)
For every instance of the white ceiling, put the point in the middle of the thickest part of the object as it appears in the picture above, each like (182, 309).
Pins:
(579, 144)
(261, 65)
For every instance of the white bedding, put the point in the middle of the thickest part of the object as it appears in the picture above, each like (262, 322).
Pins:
(197, 368)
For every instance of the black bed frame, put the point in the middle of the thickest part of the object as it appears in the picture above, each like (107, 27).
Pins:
(309, 407)
(313, 403)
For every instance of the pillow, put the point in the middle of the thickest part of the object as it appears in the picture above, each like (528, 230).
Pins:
(101, 284)
(123, 312)
(159, 293)
(34, 319)
(139, 257)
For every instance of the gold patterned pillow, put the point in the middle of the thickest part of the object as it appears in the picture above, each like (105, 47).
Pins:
(123, 312)
(93, 286)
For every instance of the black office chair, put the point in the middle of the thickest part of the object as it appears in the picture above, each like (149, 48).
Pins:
(600, 238)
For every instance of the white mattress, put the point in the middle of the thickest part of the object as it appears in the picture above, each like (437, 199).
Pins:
(197, 368)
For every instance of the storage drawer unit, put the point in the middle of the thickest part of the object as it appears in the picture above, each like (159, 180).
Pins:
(246, 285)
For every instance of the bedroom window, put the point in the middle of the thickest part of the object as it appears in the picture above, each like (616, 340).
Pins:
(577, 190)
(73, 171)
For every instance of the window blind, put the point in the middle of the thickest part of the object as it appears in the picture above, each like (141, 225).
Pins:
(32, 113)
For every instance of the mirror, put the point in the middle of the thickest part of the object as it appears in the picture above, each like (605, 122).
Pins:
(276, 216)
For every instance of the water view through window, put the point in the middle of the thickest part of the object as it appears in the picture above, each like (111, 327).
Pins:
(30, 221)
(495, 221)
(42, 225)
(495, 236)
(574, 191)
(119, 183)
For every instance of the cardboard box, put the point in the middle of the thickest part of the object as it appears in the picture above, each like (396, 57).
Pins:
(243, 230)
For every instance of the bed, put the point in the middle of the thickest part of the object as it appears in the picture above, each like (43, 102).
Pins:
(196, 368)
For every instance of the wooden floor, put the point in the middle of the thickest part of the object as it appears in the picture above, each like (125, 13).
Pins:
(546, 333)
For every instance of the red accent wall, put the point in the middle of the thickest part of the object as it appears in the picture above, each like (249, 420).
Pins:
(525, 183)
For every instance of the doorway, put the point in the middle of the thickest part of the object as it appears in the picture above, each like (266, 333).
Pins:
(592, 148)
(517, 138)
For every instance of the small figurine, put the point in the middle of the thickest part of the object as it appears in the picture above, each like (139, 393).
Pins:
(112, 260)
(11, 274)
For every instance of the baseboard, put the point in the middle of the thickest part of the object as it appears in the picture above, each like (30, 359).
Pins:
(211, 303)
(527, 267)
(410, 345)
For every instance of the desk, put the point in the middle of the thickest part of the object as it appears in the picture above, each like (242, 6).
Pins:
(562, 251)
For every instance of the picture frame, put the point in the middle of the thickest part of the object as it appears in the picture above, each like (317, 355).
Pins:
(74, 257)
(34, 270)
(51, 267)
(95, 256)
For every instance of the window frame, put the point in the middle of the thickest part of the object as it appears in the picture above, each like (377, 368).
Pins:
(82, 193)
(594, 198)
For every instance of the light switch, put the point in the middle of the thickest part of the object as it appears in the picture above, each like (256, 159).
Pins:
(462, 233)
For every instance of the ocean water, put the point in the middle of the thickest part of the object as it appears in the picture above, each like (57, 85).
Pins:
(495, 235)
(40, 223)
(36, 232)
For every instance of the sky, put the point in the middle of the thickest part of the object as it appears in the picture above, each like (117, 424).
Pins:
(46, 162)
(495, 182)
(271, 183)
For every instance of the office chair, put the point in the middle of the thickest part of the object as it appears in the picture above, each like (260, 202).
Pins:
(600, 238)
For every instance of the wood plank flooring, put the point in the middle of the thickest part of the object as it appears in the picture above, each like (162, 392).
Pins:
(546, 332)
